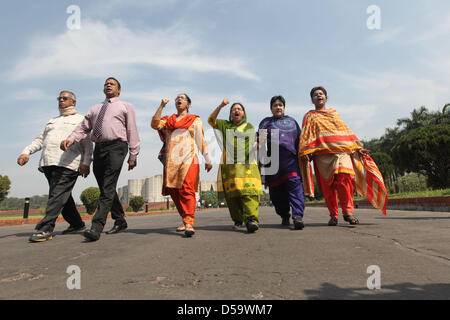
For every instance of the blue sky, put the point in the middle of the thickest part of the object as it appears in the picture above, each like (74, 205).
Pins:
(247, 51)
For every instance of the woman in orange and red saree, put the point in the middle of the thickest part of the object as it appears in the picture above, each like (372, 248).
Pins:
(238, 179)
(183, 138)
(340, 161)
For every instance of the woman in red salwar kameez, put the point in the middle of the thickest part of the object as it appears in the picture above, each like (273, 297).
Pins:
(184, 139)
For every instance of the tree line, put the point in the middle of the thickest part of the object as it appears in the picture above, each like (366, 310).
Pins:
(419, 144)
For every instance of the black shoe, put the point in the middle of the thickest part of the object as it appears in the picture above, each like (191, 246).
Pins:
(91, 235)
(298, 224)
(117, 228)
(71, 229)
(252, 226)
(41, 236)
(285, 221)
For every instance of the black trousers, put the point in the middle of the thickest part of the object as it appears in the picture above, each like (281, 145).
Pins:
(61, 181)
(108, 161)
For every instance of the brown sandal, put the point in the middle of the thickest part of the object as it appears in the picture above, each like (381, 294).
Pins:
(351, 219)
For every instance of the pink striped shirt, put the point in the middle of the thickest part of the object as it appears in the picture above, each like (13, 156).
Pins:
(119, 122)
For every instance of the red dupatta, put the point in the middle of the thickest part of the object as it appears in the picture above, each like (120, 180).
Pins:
(183, 123)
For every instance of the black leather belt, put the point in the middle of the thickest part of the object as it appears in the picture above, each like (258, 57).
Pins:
(108, 143)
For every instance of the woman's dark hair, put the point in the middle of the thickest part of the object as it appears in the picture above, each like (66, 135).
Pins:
(275, 98)
(236, 104)
(318, 88)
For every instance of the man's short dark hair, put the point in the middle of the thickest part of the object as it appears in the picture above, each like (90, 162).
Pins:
(118, 83)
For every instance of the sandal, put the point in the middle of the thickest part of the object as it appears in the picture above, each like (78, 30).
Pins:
(189, 231)
(181, 228)
(333, 222)
(351, 219)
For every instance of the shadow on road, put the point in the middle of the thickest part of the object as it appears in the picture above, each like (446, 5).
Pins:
(400, 291)
(20, 235)
(171, 230)
(225, 228)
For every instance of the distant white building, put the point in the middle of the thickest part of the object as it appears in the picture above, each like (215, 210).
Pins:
(208, 185)
(150, 189)
(123, 194)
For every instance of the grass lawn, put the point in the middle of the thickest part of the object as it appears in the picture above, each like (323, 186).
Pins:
(40, 216)
(33, 216)
(19, 217)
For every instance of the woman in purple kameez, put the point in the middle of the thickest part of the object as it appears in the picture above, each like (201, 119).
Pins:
(282, 175)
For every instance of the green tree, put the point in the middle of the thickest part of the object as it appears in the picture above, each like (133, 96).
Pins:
(89, 197)
(5, 185)
(411, 182)
(426, 150)
(136, 203)
(210, 198)
(387, 143)
(419, 118)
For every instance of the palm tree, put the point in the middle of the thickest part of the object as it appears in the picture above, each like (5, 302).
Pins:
(418, 118)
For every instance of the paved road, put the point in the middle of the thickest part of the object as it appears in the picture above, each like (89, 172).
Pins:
(152, 261)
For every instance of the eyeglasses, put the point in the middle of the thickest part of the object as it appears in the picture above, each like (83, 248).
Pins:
(64, 98)
(180, 97)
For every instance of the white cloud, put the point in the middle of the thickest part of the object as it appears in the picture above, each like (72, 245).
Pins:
(434, 28)
(98, 49)
(31, 94)
(386, 96)
(404, 90)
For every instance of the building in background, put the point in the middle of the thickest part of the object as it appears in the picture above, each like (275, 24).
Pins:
(150, 189)
(208, 185)
(123, 194)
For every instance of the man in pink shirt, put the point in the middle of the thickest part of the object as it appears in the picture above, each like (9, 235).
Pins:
(112, 125)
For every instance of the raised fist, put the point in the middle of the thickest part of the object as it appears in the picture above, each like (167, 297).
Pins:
(164, 101)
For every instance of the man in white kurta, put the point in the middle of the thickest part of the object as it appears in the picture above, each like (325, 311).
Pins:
(60, 168)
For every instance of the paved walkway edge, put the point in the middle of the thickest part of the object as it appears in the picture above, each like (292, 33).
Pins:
(16, 222)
